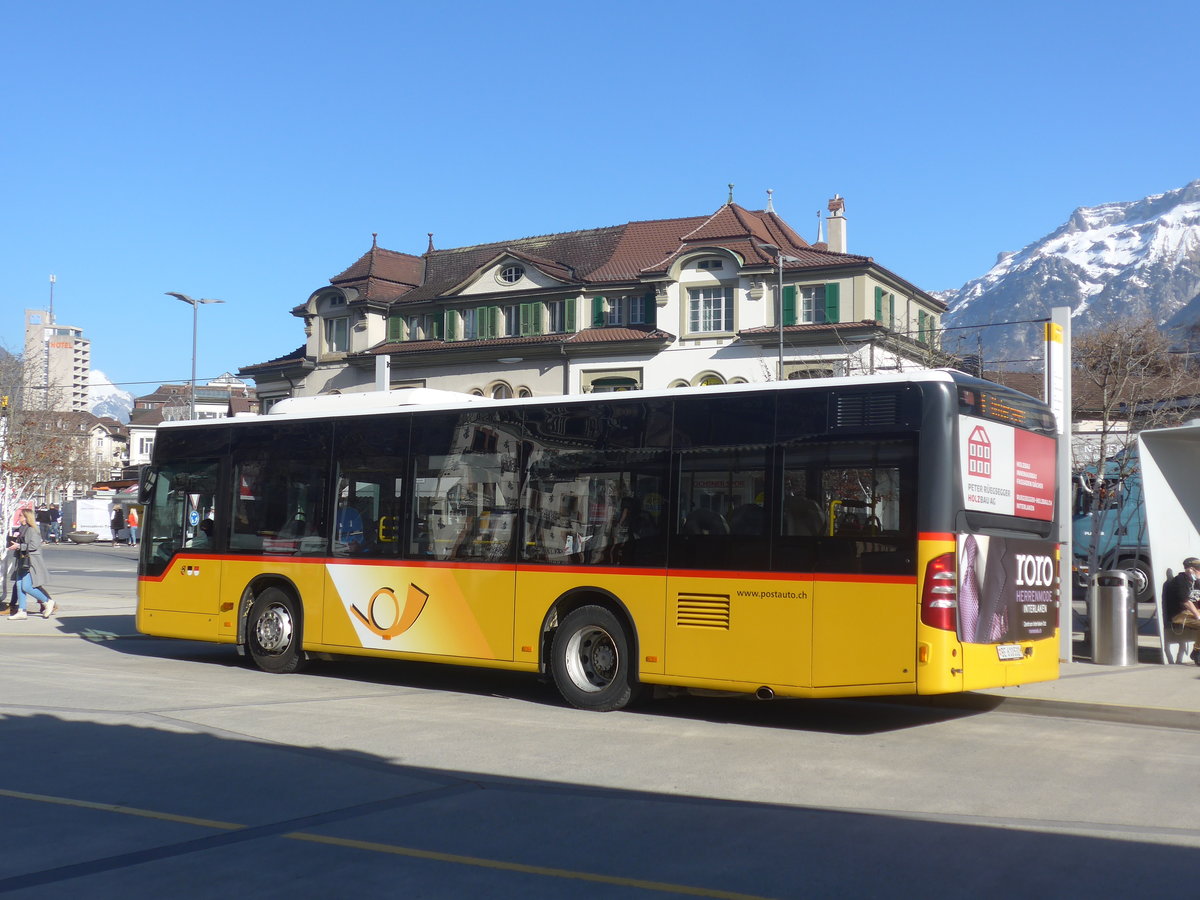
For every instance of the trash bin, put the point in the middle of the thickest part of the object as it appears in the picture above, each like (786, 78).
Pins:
(1114, 621)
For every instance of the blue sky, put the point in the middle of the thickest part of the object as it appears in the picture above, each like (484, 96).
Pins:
(247, 151)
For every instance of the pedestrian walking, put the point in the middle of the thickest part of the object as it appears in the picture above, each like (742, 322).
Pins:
(132, 522)
(117, 524)
(55, 520)
(30, 573)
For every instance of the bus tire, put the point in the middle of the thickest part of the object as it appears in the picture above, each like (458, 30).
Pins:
(590, 660)
(273, 632)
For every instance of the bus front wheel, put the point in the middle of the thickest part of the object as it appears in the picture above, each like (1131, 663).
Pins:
(589, 658)
(273, 632)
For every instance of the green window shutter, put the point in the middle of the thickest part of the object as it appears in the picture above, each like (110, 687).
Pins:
(395, 328)
(597, 312)
(789, 305)
(537, 323)
(569, 314)
(531, 318)
(436, 325)
(487, 318)
(921, 326)
(451, 327)
(833, 302)
(892, 311)
(878, 304)
(495, 321)
(650, 314)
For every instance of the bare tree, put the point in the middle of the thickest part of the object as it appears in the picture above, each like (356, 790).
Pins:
(1125, 380)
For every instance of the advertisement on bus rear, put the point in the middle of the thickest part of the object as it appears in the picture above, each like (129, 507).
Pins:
(1006, 470)
(1007, 589)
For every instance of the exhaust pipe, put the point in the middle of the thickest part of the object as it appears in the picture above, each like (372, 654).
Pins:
(764, 693)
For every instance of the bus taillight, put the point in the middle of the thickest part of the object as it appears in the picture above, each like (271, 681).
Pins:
(939, 600)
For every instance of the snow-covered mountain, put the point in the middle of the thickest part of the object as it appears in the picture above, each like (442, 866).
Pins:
(1140, 258)
(106, 399)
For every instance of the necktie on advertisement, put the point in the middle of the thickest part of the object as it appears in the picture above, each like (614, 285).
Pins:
(968, 591)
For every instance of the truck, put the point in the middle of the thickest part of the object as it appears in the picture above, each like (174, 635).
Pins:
(88, 514)
(1108, 500)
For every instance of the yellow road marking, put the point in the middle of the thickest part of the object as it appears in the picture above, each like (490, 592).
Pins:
(124, 810)
(520, 867)
(412, 852)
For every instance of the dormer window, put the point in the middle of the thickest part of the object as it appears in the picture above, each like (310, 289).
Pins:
(511, 274)
(336, 300)
(711, 264)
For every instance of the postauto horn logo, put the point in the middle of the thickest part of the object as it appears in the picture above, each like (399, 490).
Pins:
(386, 616)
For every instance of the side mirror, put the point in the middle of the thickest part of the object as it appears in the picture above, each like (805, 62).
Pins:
(146, 478)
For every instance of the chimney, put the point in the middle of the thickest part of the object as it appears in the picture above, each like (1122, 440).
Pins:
(837, 224)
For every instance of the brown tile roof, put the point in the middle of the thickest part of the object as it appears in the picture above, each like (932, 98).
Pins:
(295, 356)
(625, 253)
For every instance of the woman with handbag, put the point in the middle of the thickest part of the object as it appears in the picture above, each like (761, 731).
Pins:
(32, 575)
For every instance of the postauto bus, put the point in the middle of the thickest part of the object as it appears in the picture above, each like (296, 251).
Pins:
(858, 536)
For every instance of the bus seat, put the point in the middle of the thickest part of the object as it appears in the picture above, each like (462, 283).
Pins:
(705, 521)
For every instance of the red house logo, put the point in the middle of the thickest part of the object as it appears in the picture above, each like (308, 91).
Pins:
(979, 453)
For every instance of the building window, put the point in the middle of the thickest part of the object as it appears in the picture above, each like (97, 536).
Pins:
(637, 311)
(501, 391)
(710, 310)
(512, 321)
(606, 382)
(812, 304)
(414, 328)
(618, 311)
(470, 323)
(337, 334)
(511, 274)
(336, 299)
(711, 264)
(554, 317)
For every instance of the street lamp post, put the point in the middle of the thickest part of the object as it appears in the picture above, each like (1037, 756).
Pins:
(780, 259)
(195, 305)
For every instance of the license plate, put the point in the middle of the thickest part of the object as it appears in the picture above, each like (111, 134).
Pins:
(1010, 651)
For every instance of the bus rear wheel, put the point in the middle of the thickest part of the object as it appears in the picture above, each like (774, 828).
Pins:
(590, 661)
(273, 632)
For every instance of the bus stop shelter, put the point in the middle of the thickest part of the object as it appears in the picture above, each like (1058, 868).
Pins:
(1170, 464)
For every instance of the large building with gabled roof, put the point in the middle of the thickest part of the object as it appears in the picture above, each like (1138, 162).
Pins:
(651, 304)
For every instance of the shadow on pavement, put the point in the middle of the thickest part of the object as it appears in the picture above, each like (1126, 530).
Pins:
(138, 811)
(833, 716)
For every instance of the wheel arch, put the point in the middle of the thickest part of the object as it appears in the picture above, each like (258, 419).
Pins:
(256, 586)
(578, 597)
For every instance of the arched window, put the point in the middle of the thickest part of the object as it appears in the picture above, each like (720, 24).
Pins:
(708, 379)
(501, 391)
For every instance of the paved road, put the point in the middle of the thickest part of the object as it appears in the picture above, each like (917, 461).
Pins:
(142, 766)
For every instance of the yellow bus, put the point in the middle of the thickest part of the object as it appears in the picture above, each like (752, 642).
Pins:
(821, 538)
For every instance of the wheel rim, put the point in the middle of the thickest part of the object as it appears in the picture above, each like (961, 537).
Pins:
(273, 631)
(592, 659)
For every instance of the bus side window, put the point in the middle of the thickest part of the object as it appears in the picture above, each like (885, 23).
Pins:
(465, 483)
(279, 483)
(369, 512)
(597, 474)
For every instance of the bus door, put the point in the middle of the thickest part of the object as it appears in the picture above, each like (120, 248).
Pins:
(729, 617)
(865, 604)
(178, 538)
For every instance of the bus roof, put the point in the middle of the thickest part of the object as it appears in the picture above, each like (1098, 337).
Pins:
(382, 402)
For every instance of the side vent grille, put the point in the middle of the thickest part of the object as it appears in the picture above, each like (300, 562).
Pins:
(866, 410)
(702, 611)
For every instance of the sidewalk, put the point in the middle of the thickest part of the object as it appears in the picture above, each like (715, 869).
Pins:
(95, 584)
